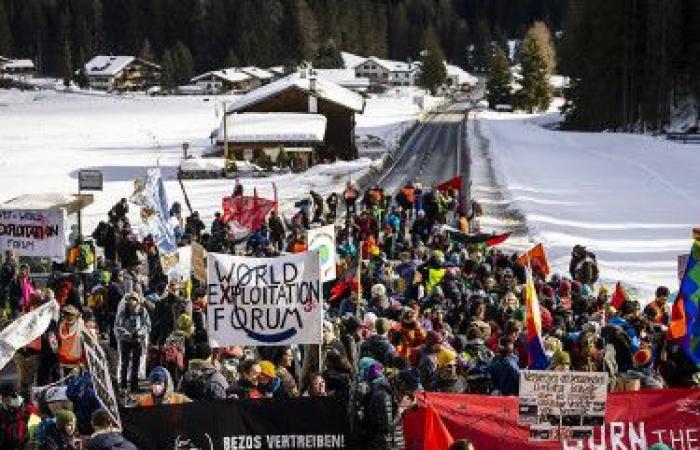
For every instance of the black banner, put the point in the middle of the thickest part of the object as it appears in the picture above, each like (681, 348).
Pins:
(308, 423)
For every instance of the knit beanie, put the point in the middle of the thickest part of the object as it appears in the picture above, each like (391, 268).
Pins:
(445, 357)
(561, 358)
(268, 369)
(642, 358)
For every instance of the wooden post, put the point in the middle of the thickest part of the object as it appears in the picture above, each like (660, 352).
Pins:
(225, 141)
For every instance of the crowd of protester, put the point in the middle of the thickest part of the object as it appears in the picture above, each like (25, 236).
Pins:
(416, 307)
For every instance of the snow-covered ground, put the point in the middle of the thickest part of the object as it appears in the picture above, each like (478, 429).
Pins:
(631, 199)
(47, 136)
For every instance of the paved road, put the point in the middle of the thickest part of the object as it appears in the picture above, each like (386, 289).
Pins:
(432, 153)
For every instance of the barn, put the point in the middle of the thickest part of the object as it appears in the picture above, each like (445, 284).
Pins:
(303, 92)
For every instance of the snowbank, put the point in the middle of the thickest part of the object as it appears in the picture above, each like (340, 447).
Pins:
(630, 199)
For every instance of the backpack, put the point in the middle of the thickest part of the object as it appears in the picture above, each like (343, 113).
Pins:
(357, 409)
(85, 257)
(195, 384)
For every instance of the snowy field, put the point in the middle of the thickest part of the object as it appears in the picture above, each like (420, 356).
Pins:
(630, 199)
(47, 136)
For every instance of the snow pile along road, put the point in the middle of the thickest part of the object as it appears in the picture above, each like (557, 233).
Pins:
(631, 199)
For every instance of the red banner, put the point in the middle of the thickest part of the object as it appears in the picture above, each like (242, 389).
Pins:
(249, 212)
(453, 183)
(633, 421)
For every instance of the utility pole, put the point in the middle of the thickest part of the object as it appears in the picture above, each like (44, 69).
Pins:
(225, 141)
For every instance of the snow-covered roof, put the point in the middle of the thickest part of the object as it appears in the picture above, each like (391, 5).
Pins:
(559, 81)
(279, 70)
(462, 75)
(274, 127)
(391, 66)
(325, 89)
(49, 200)
(232, 75)
(106, 65)
(350, 60)
(19, 64)
(343, 77)
(257, 72)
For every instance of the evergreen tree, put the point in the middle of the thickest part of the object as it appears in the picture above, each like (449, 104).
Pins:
(433, 71)
(539, 32)
(232, 59)
(498, 89)
(5, 32)
(534, 93)
(168, 77)
(183, 63)
(65, 68)
(146, 52)
(482, 47)
(328, 56)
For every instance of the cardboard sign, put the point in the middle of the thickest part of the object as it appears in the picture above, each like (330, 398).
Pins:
(199, 262)
(574, 400)
(90, 180)
(264, 301)
(323, 240)
(34, 232)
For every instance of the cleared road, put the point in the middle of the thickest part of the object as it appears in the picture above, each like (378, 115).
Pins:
(432, 153)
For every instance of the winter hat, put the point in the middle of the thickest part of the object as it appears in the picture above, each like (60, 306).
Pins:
(267, 369)
(548, 292)
(63, 418)
(437, 291)
(642, 358)
(378, 290)
(158, 375)
(445, 357)
(564, 289)
(382, 325)
(433, 338)
(561, 358)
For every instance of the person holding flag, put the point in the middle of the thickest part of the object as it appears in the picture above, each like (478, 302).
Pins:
(684, 325)
(536, 358)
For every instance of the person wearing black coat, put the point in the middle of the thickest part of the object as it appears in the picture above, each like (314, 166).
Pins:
(106, 437)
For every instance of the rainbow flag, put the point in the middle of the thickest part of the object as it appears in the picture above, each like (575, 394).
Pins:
(684, 327)
(536, 359)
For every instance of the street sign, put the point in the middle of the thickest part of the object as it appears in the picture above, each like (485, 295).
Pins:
(90, 180)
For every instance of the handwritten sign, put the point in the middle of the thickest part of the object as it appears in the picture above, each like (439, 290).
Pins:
(33, 232)
(323, 240)
(573, 400)
(264, 301)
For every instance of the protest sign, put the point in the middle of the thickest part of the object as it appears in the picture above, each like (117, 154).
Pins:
(323, 240)
(561, 399)
(248, 212)
(178, 265)
(264, 301)
(99, 373)
(308, 423)
(25, 329)
(151, 196)
(199, 262)
(34, 232)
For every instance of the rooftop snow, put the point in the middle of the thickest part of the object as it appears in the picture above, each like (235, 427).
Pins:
(19, 64)
(257, 72)
(325, 89)
(276, 69)
(107, 65)
(232, 75)
(463, 76)
(350, 60)
(274, 127)
(391, 66)
(343, 77)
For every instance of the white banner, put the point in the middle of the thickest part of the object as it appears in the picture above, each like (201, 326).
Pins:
(25, 329)
(264, 301)
(34, 232)
(323, 240)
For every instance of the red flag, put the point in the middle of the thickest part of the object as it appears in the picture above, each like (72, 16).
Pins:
(437, 436)
(619, 297)
(248, 212)
(453, 183)
(497, 239)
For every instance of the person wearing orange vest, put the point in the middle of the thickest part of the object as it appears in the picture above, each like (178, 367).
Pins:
(162, 391)
(70, 340)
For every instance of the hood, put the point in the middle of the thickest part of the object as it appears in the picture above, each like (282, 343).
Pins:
(107, 439)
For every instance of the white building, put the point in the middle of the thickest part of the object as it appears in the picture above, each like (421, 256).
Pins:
(386, 72)
(121, 73)
(262, 75)
(459, 78)
(224, 80)
(345, 78)
(18, 68)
